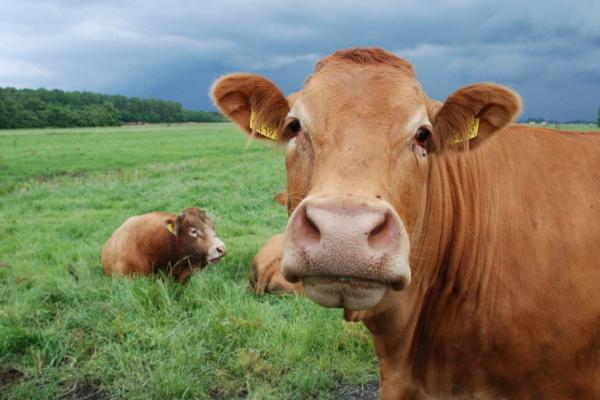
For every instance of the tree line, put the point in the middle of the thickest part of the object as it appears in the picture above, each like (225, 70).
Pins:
(42, 108)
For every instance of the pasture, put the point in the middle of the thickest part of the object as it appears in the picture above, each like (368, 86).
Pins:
(66, 331)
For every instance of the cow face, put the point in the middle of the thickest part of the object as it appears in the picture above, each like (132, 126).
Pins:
(360, 135)
(196, 238)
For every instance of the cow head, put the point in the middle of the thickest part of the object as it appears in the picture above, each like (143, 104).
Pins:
(196, 239)
(360, 136)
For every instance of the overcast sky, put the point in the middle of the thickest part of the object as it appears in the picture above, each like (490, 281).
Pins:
(549, 51)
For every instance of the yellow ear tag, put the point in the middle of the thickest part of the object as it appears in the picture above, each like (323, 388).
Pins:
(264, 130)
(170, 228)
(473, 131)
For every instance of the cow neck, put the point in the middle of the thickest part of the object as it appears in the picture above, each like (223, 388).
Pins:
(430, 240)
(405, 323)
(396, 322)
(172, 250)
(456, 221)
(446, 208)
(447, 272)
(179, 262)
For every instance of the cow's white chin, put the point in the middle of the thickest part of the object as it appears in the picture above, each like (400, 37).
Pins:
(349, 293)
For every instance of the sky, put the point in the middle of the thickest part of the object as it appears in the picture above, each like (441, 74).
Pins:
(547, 50)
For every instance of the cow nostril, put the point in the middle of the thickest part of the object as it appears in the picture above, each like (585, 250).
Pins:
(381, 235)
(378, 228)
(311, 227)
(308, 230)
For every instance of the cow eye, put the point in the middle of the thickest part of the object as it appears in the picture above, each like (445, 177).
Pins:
(422, 136)
(193, 232)
(293, 128)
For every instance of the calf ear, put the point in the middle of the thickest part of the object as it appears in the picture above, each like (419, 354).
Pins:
(472, 114)
(254, 103)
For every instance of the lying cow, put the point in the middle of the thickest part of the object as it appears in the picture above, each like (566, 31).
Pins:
(161, 240)
(468, 246)
(264, 275)
(265, 271)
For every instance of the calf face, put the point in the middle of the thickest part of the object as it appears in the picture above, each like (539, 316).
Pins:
(196, 240)
(358, 138)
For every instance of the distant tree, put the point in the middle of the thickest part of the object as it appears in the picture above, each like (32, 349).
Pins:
(28, 108)
(9, 113)
(599, 116)
(61, 117)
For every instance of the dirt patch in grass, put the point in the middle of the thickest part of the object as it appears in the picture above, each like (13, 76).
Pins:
(83, 391)
(367, 391)
(59, 174)
(221, 394)
(8, 376)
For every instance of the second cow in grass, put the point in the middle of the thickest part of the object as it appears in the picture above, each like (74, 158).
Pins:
(147, 243)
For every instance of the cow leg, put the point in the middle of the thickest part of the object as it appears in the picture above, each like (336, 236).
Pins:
(397, 385)
(396, 379)
(184, 275)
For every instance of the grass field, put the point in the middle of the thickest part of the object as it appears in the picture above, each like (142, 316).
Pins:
(571, 127)
(66, 331)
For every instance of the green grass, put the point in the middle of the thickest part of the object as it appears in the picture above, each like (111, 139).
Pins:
(70, 330)
(571, 127)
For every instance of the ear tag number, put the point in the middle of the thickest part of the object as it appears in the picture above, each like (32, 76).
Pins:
(473, 131)
(264, 130)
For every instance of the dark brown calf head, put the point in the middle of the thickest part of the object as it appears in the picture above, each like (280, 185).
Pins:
(360, 137)
(196, 242)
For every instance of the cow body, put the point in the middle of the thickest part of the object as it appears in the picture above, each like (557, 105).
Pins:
(159, 240)
(468, 246)
(503, 301)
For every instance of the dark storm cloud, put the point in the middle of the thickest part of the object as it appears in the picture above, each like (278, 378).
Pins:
(547, 50)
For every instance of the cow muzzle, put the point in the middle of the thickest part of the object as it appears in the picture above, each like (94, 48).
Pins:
(347, 252)
(216, 251)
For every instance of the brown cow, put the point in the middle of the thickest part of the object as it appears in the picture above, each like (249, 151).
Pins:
(149, 242)
(264, 275)
(495, 226)
(265, 271)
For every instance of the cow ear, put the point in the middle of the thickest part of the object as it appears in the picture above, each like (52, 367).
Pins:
(254, 103)
(472, 114)
(281, 198)
(171, 226)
